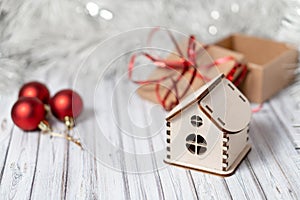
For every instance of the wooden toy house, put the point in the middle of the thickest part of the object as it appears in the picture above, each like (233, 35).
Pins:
(209, 129)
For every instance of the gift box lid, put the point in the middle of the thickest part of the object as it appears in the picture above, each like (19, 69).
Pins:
(222, 102)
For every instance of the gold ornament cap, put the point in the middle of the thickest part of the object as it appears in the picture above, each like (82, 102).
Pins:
(69, 122)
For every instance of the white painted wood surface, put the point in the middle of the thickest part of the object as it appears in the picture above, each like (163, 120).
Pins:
(35, 166)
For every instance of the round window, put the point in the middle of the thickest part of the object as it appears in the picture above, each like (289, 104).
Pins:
(196, 144)
(196, 120)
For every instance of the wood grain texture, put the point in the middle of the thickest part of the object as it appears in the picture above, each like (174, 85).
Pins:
(287, 109)
(35, 166)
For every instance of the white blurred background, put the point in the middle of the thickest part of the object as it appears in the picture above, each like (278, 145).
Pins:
(40, 34)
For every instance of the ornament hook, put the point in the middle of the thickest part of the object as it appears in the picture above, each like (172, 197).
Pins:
(46, 129)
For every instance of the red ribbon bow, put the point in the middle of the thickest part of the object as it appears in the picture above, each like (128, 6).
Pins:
(185, 65)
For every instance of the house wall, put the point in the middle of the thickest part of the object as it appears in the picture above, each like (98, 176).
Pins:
(181, 127)
(236, 143)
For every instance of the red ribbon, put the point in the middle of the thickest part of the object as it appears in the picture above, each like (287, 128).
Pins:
(185, 65)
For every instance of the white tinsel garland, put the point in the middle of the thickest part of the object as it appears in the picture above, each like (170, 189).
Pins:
(43, 33)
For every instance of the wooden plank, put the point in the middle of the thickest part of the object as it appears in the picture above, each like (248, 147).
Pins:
(50, 178)
(287, 110)
(20, 166)
(210, 186)
(6, 129)
(296, 159)
(275, 171)
(91, 178)
(244, 184)
(82, 177)
(143, 182)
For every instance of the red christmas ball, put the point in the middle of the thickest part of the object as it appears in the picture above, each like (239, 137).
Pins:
(66, 103)
(27, 113)
(35, 89)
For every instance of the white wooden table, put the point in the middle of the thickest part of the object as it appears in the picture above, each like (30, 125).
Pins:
(34, 166)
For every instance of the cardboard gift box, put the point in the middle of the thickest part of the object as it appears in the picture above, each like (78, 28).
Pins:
(271, 65)
(203, 57)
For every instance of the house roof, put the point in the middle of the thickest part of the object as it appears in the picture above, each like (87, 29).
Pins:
(222, 102)
(192, 98)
